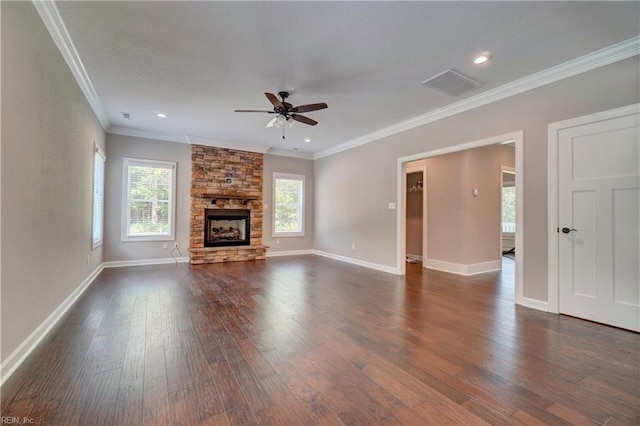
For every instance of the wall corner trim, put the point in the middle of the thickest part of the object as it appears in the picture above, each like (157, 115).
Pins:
(55, 25)
(17, 357)
(370, 265)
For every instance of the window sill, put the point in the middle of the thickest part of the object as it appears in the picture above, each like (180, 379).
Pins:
(287, 234)
(148, 238)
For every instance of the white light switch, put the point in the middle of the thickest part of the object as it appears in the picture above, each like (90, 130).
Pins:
(475, 192)
(392, 206)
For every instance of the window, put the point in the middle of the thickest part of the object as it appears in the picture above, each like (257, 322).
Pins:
(97, 226)
(149, 205)
(509, 209)
(288, 205)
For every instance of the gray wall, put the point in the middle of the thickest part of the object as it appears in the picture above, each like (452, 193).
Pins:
(119, 147)
(275, 163)
(48, 132)
(362, 181)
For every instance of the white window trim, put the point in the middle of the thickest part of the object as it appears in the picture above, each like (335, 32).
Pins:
(128, 162)
(97, 151)
(291, 176)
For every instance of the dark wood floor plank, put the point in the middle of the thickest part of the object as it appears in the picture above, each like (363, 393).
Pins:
(155, 392)
(128, 409)
(236, 407)
(308, 340)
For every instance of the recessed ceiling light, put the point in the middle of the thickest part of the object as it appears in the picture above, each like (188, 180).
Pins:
(307, 140)
(482, 58)
(161, 115)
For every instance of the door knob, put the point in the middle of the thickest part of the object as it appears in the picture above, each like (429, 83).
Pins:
(566, 230)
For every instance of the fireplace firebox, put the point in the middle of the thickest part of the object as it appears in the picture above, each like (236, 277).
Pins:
(227, 227)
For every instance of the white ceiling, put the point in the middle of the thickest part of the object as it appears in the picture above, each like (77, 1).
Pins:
(199, 61)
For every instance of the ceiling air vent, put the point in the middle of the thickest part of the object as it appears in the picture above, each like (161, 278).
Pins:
(451, 82)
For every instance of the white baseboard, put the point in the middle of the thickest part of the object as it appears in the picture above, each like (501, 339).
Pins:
(288, 253)
(371, 265)
(539, 305)
(414, 256)
(17, 357)
(463, 269)
(143, 262)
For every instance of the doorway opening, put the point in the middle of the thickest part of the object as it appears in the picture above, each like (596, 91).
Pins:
(475, 197)
(508, 212)
(416, 209)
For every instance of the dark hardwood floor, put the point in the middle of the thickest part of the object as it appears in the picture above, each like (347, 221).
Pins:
(309, 340)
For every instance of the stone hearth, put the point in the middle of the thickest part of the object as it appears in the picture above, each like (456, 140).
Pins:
(231, 179)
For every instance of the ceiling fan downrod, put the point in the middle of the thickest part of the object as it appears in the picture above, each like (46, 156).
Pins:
(283, 95)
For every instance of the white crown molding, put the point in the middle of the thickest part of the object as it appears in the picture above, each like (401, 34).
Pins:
(293, 154)
(591, 61)
(240, 146)
(193, 140)
(55, 25)
(147, 134)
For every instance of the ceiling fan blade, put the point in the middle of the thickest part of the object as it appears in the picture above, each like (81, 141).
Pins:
(274, 100)
(308, 108)
(303, 119)
(254, 110)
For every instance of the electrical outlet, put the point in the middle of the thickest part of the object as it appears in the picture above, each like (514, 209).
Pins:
(176, 245)
(277, 240)
(353, 246)
(164, 246)
(87, 259)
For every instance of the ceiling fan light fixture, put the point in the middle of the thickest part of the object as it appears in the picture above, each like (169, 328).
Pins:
(272, 122)
(279, 121)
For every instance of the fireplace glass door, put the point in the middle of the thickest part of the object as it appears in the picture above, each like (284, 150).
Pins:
(227, 227)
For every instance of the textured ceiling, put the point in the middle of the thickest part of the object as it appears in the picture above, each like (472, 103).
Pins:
(198, 61)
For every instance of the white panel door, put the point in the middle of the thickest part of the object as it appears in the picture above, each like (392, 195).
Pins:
(599, 222)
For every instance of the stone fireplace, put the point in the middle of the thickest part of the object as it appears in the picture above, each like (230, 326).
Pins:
(226, 205)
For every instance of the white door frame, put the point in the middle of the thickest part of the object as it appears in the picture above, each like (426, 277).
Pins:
(401, 200)
(422, 169)
(553, 289)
